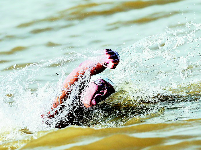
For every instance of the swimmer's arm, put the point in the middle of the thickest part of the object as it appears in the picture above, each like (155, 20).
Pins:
(92, 66)
(109, 59)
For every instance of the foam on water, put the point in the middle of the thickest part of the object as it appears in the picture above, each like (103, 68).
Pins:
(24, 97)
(159, 62)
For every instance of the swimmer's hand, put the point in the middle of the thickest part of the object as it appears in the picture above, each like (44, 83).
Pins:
(112, 59)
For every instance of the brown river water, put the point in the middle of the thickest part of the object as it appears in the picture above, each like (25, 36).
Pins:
(157, 104)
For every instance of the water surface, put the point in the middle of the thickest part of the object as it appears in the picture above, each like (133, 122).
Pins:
(158, 99)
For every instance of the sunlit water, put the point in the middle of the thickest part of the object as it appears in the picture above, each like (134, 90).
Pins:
(158, 81)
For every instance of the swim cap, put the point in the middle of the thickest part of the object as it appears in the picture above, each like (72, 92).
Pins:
(96, 77)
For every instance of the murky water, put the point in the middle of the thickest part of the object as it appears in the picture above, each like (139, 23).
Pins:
(158, 81)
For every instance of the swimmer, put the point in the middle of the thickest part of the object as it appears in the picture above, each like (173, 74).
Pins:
(94, 91)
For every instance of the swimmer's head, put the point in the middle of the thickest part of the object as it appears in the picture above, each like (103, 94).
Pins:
(97, 91)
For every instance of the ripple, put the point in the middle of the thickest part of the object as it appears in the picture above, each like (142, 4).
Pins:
(143, 20)
(48, 19)
(4, 61)
(84, 11)
(74, 12)
(143, 4)
(12, 51)
(18, 66)
(35, 31)
(52, 44)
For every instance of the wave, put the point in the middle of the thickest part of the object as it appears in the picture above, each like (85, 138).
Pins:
(87, 11)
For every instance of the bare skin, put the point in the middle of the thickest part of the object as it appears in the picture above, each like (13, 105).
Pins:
(110, 59)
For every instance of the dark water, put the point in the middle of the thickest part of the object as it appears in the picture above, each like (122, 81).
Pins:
(158, 81)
